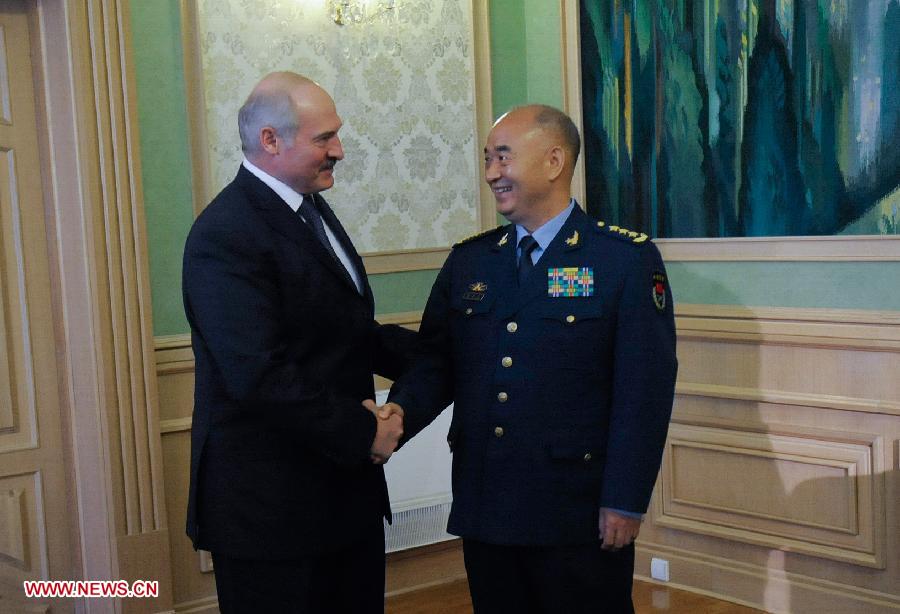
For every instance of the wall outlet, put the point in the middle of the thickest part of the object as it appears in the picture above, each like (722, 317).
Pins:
(659, 569)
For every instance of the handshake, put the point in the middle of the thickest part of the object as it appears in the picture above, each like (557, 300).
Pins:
(390, 429)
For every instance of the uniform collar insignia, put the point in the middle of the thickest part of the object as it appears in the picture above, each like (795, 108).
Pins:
(503, 240)
(573, 240)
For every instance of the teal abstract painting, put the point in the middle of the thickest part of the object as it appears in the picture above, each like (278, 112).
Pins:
(740, 118)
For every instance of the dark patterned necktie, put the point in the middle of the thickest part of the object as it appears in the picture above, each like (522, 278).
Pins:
(310, 212)
(527, 245)
(311, 215)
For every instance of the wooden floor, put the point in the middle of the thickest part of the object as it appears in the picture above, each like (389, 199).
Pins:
(453, 598)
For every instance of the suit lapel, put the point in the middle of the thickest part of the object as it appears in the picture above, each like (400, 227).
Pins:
(344, 239)
(287, 223)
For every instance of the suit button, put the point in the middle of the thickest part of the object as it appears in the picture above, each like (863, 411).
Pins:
(506, 362)
(570, 319)
(587, 457)
(469, 311)
(503, 397)
(498, 432)
(512, 327)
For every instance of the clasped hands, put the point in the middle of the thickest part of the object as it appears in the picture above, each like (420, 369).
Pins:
(390, 429)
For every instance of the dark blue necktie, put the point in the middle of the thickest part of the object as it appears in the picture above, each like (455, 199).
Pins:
(311, 214)
(527, 245)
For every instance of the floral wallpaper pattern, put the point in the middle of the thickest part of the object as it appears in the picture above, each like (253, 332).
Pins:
(403, 83)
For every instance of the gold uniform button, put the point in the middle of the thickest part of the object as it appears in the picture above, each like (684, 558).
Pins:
(469, 311)
(570, 319)
(587, 457)
(503, 397)
(506, 362)
(498, 431)
(512, 327)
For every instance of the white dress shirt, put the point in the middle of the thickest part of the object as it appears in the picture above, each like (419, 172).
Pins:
(294, 199)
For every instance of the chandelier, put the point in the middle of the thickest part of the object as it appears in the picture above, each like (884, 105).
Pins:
(349, 12)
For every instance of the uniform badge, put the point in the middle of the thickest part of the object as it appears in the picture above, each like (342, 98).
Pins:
(476, 291)
(570, 281)
(658, 290)
(503, 240)
(573, 240)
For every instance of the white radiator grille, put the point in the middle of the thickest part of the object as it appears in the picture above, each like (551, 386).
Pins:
(421, 523)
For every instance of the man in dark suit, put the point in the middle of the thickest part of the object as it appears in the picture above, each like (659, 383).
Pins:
(555, 338)
(283, 491)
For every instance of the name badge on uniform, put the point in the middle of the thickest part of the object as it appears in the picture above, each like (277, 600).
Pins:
(476, 291)
(570, 281)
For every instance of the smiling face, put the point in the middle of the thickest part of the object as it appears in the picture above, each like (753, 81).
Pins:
(306, 162)
(518, 167)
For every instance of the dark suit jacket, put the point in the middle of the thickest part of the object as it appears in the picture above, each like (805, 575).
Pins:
(285, 348)
(562, 403)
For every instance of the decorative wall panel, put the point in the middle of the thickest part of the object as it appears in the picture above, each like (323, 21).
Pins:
(403, 83)
(17, 408)
(13, 534)
(22, 530)
(815, 494)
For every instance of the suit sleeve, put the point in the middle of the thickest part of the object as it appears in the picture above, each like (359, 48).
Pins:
(394, 350)
(232, 303)
(643, 384)
(426, 389)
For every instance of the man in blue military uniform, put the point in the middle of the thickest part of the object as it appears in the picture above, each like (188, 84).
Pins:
(555, 338)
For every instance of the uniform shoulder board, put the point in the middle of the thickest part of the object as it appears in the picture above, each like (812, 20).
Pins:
(477, 236)
(624, 234)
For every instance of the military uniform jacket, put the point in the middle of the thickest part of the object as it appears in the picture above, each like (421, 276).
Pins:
(563, 387)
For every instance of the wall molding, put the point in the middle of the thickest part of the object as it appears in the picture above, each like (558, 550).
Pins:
(484, 109)
(102, 320)
(803, 314)
(175, 425)
(749, 584)
(570, 54)
(837, 328)
(403, 260)
(779, 397)
(841, 248)
(206, 604)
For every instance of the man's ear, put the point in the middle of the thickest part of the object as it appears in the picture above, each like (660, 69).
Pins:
(556, 162)
(269, 140)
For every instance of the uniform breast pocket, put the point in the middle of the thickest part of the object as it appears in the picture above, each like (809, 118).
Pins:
(470, 322)
(573, 330)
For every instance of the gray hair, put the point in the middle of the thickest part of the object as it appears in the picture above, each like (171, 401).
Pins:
(551, 118)
(266, 108)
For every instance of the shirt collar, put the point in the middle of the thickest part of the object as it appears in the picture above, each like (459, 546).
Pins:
(286, 192)
(548, 231)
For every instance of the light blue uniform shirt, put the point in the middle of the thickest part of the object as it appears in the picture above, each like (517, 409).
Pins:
(545, 234)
